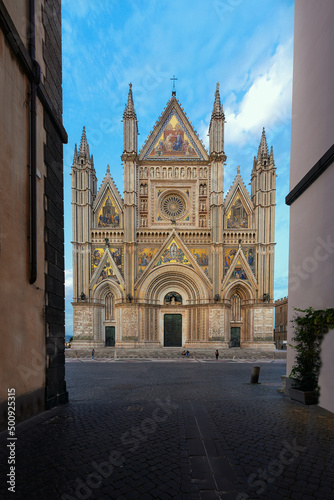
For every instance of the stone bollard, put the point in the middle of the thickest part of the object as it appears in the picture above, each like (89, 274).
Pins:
(255, 375)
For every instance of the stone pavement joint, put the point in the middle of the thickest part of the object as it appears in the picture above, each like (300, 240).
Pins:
(188, 431)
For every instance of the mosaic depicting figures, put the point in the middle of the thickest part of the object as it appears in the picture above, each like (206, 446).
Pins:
(173, 141)
(250, 257)
(108, 215)
(97, 254)
(237, 216)
(173, 255)
(202, 258)
(116, 253)
(107, 272)
(145, 255)
(229, 254)
(249, 253)
(238, 272)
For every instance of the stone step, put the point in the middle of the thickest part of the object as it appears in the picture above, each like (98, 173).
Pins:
(174, 353)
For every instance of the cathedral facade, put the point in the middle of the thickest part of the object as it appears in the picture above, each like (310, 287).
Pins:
(174, 263)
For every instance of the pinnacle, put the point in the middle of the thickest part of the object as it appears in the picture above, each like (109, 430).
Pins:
(84, 148)
(271, 158)
(254, 163)
(129, 111)
(75, 158)
(217, 112)
(263, 148)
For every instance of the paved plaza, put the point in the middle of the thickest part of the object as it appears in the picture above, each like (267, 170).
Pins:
(181, 428)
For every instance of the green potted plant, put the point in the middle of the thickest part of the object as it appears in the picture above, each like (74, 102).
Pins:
(309, 330)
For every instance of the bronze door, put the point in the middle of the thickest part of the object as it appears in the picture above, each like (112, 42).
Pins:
(235, 336)
(173, 330)
(110, 336)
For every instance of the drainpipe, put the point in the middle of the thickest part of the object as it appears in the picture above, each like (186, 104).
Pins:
(32, 144)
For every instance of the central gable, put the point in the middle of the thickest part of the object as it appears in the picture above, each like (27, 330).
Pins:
(173, 138)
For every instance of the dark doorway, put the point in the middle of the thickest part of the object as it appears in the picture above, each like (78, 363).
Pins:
(235, 336)
(173, 330)
(110, 336)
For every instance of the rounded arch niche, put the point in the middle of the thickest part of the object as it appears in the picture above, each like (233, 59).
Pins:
(173, 298)
(174, 278)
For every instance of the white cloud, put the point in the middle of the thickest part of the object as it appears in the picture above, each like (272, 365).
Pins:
(266, 103)
(68, 283)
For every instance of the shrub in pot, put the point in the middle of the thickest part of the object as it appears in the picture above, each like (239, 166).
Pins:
(309, 330)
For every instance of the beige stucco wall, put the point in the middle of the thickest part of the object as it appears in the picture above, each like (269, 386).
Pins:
(313, 82)
(22, 362)
(311, 260)
(18, 11)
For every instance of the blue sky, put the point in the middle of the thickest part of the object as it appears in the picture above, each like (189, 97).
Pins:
(246, 45)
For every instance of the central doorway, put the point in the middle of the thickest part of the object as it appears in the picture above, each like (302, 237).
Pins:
(110, 336)
(235, 336)
(173, 330)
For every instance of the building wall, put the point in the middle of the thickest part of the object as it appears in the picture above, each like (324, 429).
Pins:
(311, 260)
(32, 314)
(216, 254)
(281, 322)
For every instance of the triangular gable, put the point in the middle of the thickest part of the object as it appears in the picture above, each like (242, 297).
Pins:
(173, 251)
(107, 269)
(238, 206)
(239, 270)
(108, 205)
(173, 138)
(98, 253)
(230, 253)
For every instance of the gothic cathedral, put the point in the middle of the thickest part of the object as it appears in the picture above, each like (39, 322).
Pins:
(173, 263)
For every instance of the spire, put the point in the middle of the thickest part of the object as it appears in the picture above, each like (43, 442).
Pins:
(217, 112)
(108, 169)
(271, 158)
(263, 148)
(216, 127)
(130, 126)
(84, 149)
(129, 111)
(254, 164)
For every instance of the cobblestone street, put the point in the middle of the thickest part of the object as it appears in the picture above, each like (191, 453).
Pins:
(175, 428)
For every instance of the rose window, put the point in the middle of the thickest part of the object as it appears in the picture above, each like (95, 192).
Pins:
(173, 206)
